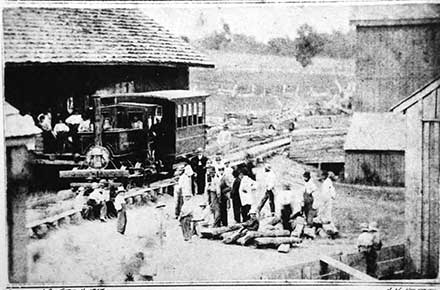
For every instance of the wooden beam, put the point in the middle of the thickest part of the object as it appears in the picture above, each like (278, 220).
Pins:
(347, 269)
(97, 173)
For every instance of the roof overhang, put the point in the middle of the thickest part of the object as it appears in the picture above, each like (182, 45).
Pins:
(394, 22)
(417, 96)
(91, 63)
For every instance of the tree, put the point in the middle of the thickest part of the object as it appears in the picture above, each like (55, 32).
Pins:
(281, 46)
(308, 43)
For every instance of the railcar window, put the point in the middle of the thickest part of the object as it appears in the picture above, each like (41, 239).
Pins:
(195, 106)
(150, 121)
(200, 113)
(159, 111)
(184, 115)
(190, 112)
(179, 116)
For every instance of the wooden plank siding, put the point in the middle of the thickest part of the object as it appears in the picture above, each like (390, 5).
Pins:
(387, 167)
(422, 160)
(430, 198)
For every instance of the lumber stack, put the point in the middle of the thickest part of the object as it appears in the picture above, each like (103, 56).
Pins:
(235, 234)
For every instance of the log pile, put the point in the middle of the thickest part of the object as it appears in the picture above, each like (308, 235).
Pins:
(235, 234)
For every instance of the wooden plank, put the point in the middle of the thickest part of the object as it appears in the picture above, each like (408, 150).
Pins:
(391, 252)
(347, 269)
(434, 172)
(429, 106)
(276, 241)
(388, 268)
(104, 173)
(413, 195)
(425, 199)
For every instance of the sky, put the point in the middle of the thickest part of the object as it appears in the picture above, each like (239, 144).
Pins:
(261, 21)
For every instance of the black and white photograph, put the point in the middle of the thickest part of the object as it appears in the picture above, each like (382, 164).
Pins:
(155, 143)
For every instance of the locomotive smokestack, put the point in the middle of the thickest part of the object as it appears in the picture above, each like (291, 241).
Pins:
(98, 120)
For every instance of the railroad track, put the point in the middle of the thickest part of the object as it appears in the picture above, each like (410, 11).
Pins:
(140, 196)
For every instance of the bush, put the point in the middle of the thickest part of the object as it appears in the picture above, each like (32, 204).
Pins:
(371, 177)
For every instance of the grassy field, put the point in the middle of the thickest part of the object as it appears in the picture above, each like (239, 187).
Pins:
(94, 252)
(258, 81)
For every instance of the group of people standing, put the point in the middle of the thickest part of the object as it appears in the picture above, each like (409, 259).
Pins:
(62, 134)
(103, 201)
(223, 187)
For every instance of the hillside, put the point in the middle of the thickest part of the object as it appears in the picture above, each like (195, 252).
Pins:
(248, 82)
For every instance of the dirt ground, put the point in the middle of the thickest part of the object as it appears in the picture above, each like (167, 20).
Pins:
(94, 251)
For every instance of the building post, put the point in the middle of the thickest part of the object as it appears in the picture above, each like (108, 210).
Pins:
(18, 180)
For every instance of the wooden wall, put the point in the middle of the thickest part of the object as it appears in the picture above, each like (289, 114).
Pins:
(393, 62)
(19, 174)
(422, 180)
(387, 167)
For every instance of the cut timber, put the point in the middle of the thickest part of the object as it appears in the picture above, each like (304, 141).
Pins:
(260, 234)
(211, 233)
(104, 173)
(284, 248)
(276, 241)
(347, 269)
(234, 237)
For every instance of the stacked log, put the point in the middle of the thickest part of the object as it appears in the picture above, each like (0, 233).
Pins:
(214, 233)
(276, 241)
(251, 235)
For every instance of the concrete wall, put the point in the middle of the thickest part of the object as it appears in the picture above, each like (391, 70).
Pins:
(385, 167)
(394, 61)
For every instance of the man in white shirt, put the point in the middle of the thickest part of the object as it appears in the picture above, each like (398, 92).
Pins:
(183, 188)
(247, 193)
(74, 119)
(269, 180)
(324, 201)
(120, 207)
(85, 125)
(136, 123)
(224, 139)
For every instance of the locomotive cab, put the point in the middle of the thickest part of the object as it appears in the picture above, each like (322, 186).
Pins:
(179, 126)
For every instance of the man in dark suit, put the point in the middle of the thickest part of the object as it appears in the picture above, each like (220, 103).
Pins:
(198, 164)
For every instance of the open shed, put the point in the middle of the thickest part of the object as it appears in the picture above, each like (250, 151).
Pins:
(375, 149)
(56, 58)
(421, 111)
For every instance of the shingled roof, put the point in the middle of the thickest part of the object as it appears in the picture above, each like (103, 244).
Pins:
(95, 36)
(376, 131)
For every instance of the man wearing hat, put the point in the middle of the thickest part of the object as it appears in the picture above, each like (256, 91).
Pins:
(252, 224)
(214, 195)
(308, 197)
(324, 202)
(198, 164)
(368, 244)
(95, 201)
(269, 179)
(120, 207)
(183, 187)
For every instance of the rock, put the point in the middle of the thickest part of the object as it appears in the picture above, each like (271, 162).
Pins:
(284, 248)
